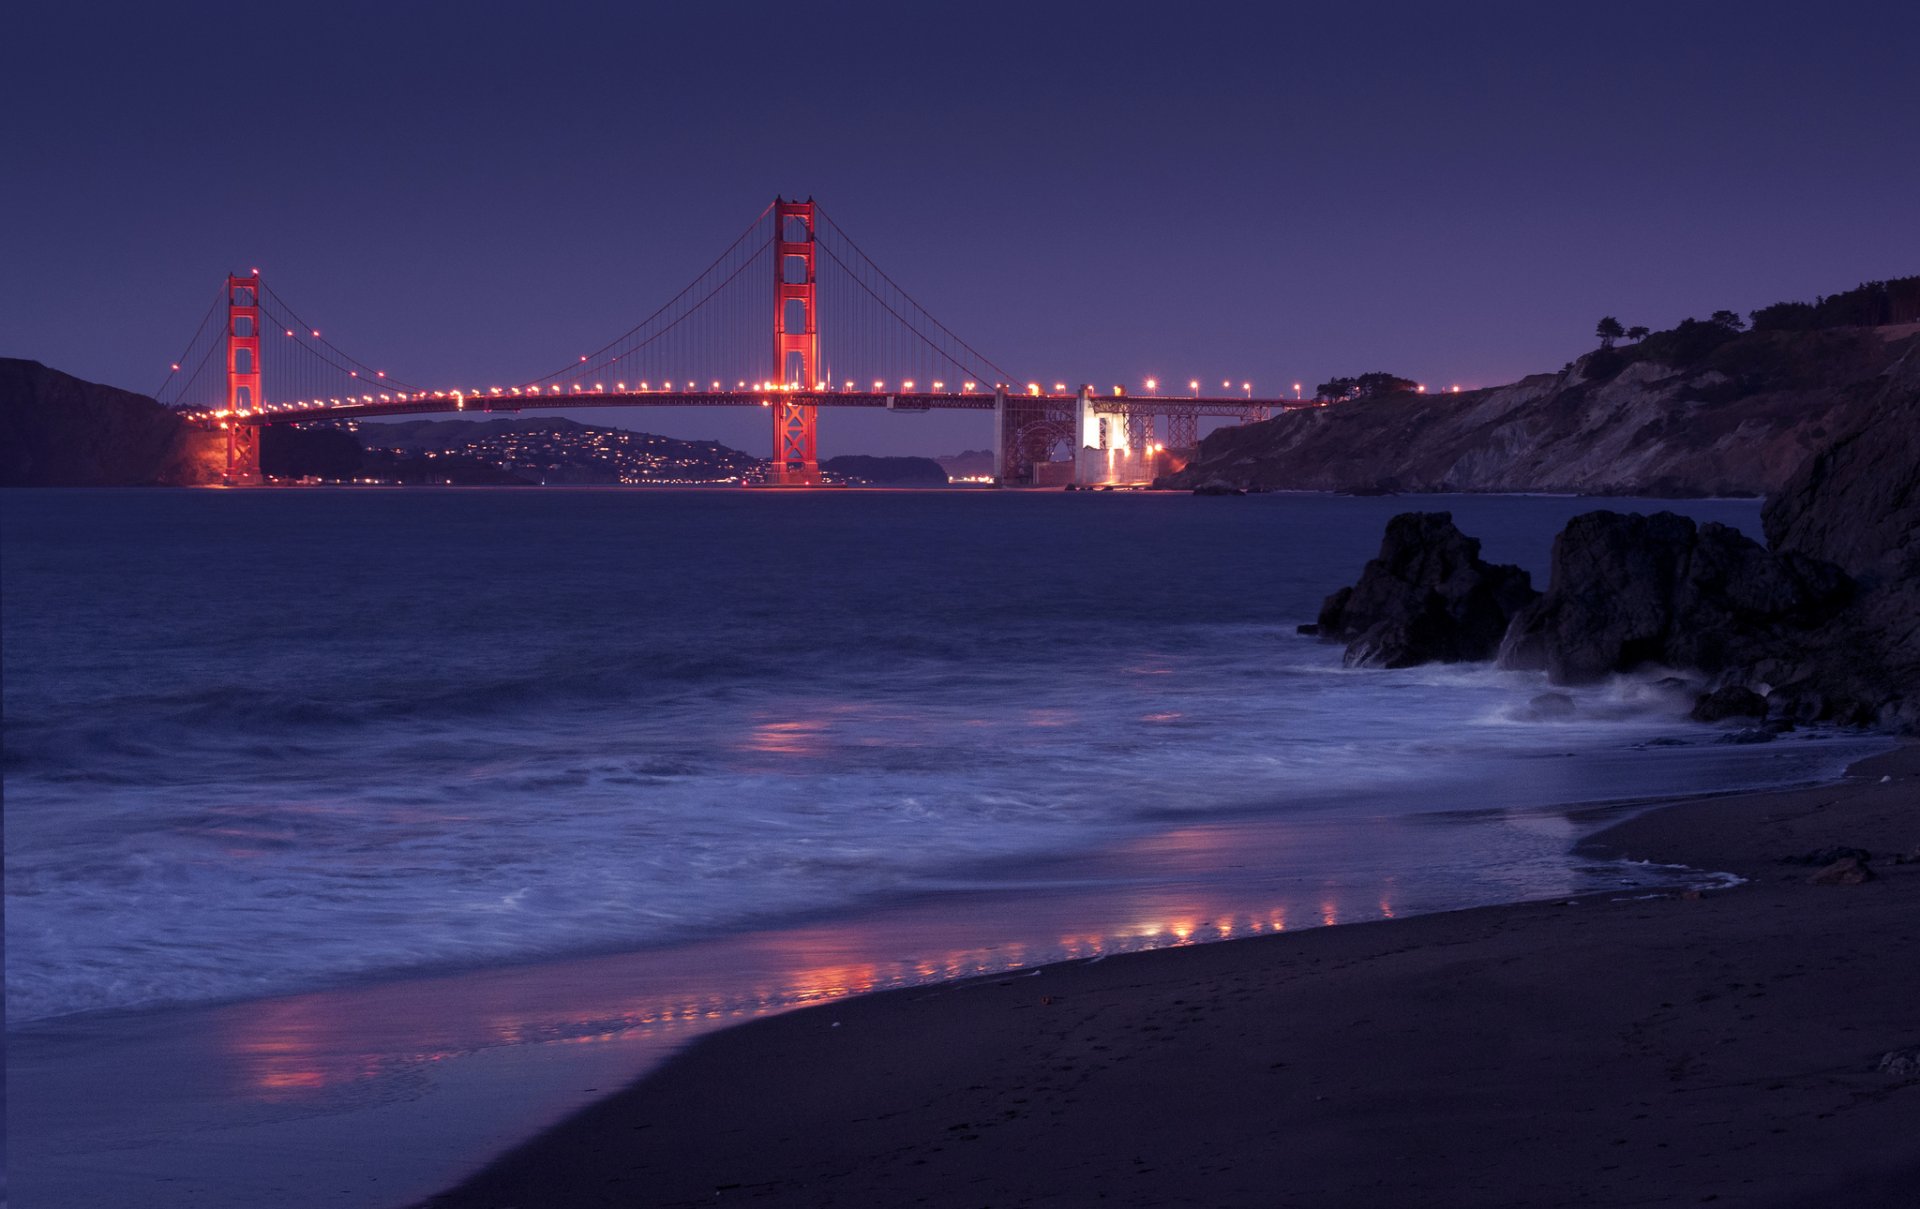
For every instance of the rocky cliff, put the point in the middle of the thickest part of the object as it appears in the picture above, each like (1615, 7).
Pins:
(1736, 418)
(58, 431)
(1856, 504)
(1823, 624)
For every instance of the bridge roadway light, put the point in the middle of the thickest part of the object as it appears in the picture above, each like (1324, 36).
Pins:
(1296, 391)
(1248, 387)
(1153, 384)
(1195, 387)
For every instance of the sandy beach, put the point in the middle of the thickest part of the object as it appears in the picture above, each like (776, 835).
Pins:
(1679, 1049)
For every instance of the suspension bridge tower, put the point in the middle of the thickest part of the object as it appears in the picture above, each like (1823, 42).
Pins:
(796, 346)
(243, 379)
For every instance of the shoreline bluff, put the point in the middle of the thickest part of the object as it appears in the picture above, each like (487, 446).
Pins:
(1755, 1045)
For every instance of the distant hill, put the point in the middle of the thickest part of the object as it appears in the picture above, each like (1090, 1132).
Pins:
(57, 430)
(887, 471)
(1701, 409)
(555, 451)
(449, 434)
(968, 464)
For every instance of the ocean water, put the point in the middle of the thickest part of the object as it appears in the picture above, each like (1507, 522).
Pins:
(265, 742)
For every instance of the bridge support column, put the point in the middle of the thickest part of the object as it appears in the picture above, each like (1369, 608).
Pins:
(1000, 436)
(796, 345)
(243, 380)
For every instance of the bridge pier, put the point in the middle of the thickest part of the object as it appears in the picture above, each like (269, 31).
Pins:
(796, 353)
(243, 379)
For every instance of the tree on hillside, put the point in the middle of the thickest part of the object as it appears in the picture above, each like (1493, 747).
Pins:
(1335, 390)
(1376, 385)
(1639, 332)
(1727, 319)
(1609, 330)
(1379, 385)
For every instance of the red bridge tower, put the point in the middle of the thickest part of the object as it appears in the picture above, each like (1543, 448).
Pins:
(243, 379)
(796, 345)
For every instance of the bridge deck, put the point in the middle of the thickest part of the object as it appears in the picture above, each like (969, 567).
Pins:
(443, 402)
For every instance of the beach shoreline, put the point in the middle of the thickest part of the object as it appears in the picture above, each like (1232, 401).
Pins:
(1665, 1048)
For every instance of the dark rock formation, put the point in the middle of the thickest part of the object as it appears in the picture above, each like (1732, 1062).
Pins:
(1735, 419)
(1847, 871)
(1856, 503)
(888, 471)
(1732, 701)
(59, 431)
(1428, 598)
(1628, 590)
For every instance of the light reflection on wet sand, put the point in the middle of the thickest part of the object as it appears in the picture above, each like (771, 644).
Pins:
(341, 1070)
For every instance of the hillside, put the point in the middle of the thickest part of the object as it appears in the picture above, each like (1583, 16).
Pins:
(1731, 415)
(886, 471)
(59, 431)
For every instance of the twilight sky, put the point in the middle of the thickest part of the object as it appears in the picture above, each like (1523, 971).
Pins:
(1280, 192)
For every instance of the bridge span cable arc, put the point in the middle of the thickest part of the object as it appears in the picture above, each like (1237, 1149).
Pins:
(668, 304)
(908, 324)
(837, 229)
(299, 325)
(691, 311)
(187, 352)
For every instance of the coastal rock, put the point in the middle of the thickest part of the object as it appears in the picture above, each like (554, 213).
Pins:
(1847, 871)
(1827, 856)
(1628, 590)
(1733, 701)
(1428, 598)
(1900, 1063)
(1218, 487)
(1856, 503)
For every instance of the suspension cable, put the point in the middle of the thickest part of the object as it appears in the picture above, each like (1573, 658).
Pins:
(842, 233)
(666, 306)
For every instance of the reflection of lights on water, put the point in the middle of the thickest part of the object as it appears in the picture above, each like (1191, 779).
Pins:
(787, 738)
(308, 1046)
(1050, 717)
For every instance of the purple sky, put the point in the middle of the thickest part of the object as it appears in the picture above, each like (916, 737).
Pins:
(1101, 192)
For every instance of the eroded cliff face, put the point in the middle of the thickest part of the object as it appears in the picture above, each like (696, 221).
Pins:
(1738, 421)
(59, 431)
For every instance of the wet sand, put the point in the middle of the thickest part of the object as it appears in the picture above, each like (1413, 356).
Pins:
(1610, 1050)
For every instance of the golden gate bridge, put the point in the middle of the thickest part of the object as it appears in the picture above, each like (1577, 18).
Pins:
(844, 334)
